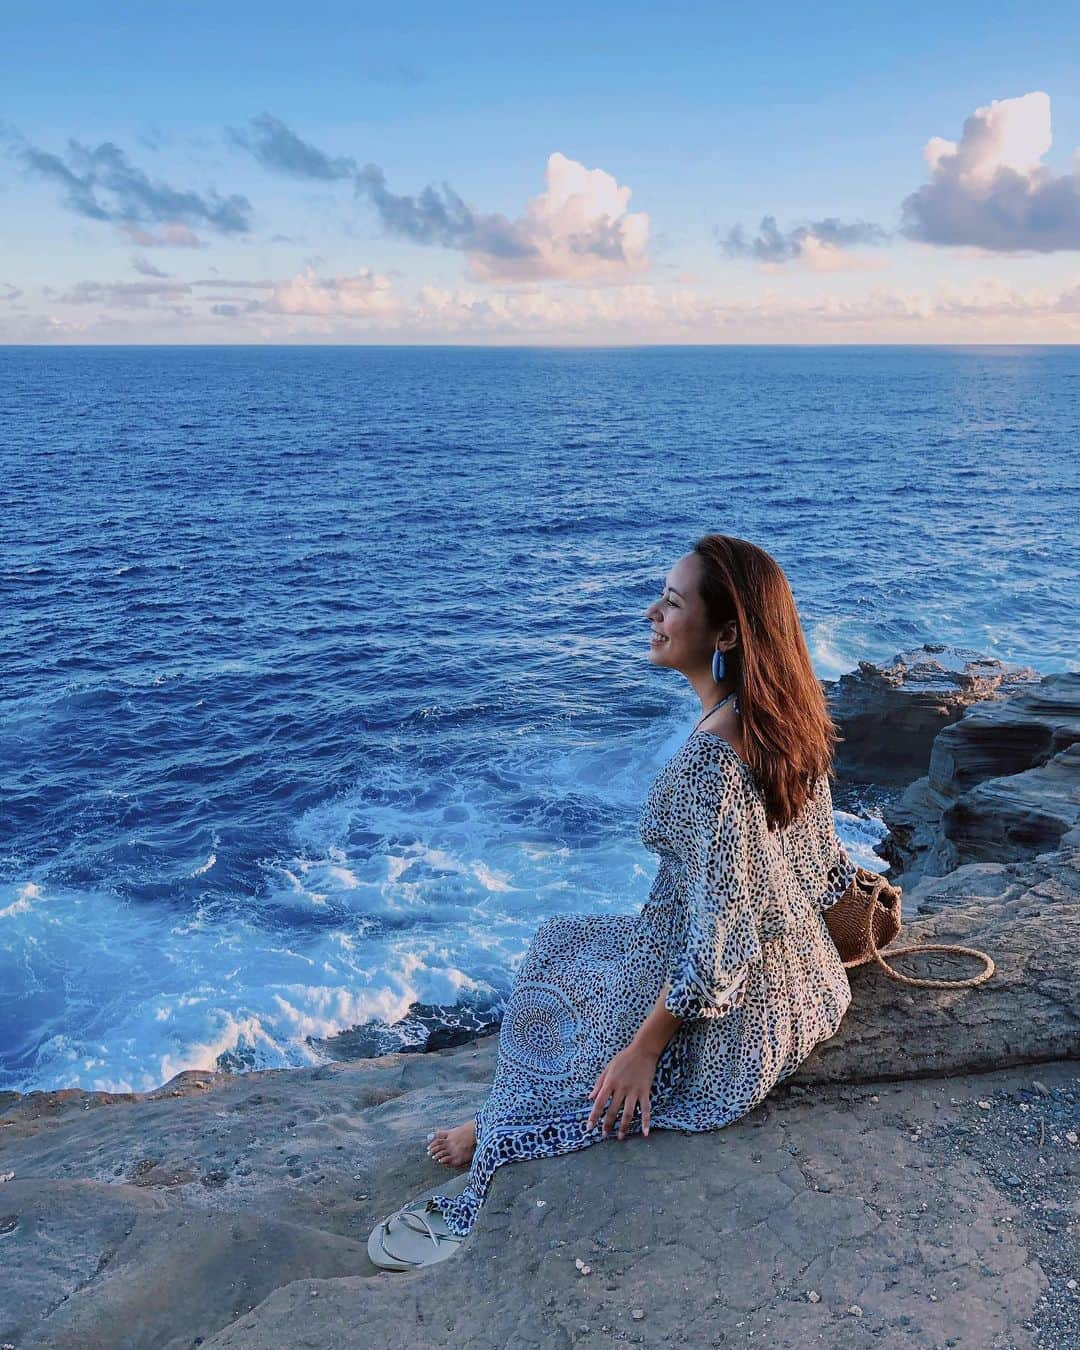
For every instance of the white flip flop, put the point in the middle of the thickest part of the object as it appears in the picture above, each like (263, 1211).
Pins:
(415, 1236)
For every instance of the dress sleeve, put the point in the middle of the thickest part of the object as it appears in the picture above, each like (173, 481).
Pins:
(839, 877)
(718, 938)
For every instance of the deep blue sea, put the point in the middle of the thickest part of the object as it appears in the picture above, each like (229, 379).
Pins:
(325, 670)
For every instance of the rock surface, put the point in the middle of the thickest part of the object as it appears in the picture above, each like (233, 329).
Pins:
(1028, 922)
(913, 1184)
(261, 1191)
(237, 1208)
(869, 1219)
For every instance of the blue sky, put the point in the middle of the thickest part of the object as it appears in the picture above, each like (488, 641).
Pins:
(242, 173)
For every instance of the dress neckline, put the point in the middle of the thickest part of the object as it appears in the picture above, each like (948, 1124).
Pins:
(721, 739)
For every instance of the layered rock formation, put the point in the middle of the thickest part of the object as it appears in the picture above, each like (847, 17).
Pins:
(890, 715)
(1002, 785)
(913, 1184)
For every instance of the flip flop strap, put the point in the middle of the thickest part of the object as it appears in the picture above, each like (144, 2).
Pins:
(385, 1229)
(439, 1237)
(405, 1214)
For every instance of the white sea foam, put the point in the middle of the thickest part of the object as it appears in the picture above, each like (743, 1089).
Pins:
(22, 903)
(859, 834)
(121, 996)
(831, 657)
(117, 997)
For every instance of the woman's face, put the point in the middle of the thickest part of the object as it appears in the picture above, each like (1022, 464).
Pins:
(681, 639)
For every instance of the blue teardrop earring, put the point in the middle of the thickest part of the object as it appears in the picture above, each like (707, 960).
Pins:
(719, 666)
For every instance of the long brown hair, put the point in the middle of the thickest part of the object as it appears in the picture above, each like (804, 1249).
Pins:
(789, 737)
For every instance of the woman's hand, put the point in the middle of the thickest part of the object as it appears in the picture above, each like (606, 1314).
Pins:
(627, 1080)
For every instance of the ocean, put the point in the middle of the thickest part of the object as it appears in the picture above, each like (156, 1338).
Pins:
(325, 670)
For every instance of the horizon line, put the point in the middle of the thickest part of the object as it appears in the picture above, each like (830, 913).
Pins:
(536, 346)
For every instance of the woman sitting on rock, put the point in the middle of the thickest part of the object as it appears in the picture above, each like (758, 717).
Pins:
(685, 1015)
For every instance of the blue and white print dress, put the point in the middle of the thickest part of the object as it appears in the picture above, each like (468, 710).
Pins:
(734, 922)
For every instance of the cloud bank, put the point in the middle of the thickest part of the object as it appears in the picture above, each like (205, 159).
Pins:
(991, 188)
(578, 229)
(367, 306)
(377, 304)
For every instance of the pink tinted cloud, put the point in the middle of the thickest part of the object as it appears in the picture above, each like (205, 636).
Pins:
(579, 229)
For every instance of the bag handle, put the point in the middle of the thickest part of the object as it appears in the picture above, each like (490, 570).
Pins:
(965, 983)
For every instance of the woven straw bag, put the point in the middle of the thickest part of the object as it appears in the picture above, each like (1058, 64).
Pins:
(867, 918)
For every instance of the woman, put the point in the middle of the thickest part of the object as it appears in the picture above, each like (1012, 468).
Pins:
(686, 1015)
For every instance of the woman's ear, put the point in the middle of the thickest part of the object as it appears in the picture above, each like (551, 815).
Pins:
(729, 633)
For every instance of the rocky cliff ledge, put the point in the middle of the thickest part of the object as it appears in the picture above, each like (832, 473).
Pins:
(913, 1185)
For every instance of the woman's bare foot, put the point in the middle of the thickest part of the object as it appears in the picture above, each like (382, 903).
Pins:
(453, 1148)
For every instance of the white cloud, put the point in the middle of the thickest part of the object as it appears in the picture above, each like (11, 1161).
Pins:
(818, 255)
(991, 188)
(579, 229)
(366, 294)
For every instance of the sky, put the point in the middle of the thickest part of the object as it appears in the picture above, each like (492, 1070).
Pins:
(585, 173)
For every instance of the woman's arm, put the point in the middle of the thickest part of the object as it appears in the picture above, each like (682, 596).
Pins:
(628, 1077)
(658, 1028)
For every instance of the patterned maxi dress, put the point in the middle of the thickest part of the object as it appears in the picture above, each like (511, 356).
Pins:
(734, 922)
